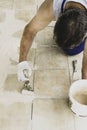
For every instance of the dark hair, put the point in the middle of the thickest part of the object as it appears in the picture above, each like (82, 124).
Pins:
(70, 28)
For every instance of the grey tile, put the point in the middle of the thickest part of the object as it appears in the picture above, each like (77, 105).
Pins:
(24, 4)
(81, 123)
(50, 58)
(5, 4)
(44, 38)
(31, 57)
(78, 57)
(12, 84)
(52, 83)
(39, 2)
(15, 116)
(18, 34)
(25, 14)
(52, 115)
(77, 75)
(14, 60)
(2, 16)
(11, 24)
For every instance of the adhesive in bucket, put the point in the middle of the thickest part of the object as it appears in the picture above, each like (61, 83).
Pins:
(81, 98)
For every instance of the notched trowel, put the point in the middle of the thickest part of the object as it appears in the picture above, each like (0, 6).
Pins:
(75, 71)
(27, 89)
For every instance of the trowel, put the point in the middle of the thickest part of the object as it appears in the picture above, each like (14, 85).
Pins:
(27, 89)
(75, 72)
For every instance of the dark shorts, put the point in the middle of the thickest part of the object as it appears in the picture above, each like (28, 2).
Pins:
(75, 50)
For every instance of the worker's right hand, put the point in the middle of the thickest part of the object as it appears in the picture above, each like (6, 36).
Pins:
(24, 71)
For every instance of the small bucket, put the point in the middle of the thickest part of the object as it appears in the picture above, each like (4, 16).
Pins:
(78, 97)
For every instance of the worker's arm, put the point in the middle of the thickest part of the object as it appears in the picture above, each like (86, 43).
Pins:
(84, 63)
(43, 17)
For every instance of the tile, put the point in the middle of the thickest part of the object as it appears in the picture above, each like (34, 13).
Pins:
(3, 76)
(52, 24)
(44, 38)
(18, 33)
(79, 58)
(52, 115)
(13, 85)
(4, 57)
(8, 50)
(11, 24)
(14, 60)
(10, 124)
(24, 4)
(8, 44)
(13, 67)
(16, 110)
(3, 71)
(50, 58)
(15, 116)
(31, 57)
(4, 45)
(81, 123)
(6, 4)
(2, 16)
(76, 76)
(51, 83)
(39, 2)
(25, 14)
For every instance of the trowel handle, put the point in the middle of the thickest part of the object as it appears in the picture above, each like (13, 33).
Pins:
(74, 65)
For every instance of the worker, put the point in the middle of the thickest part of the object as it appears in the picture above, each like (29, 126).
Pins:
(70, 31)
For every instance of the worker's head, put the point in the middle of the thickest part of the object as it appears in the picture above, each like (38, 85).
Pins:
(70, 28)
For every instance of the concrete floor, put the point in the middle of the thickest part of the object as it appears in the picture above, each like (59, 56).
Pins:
(51, 77)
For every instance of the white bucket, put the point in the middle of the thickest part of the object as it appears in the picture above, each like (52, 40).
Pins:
(78, 97)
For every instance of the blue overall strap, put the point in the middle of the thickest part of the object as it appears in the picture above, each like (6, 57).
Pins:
(62, 5)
